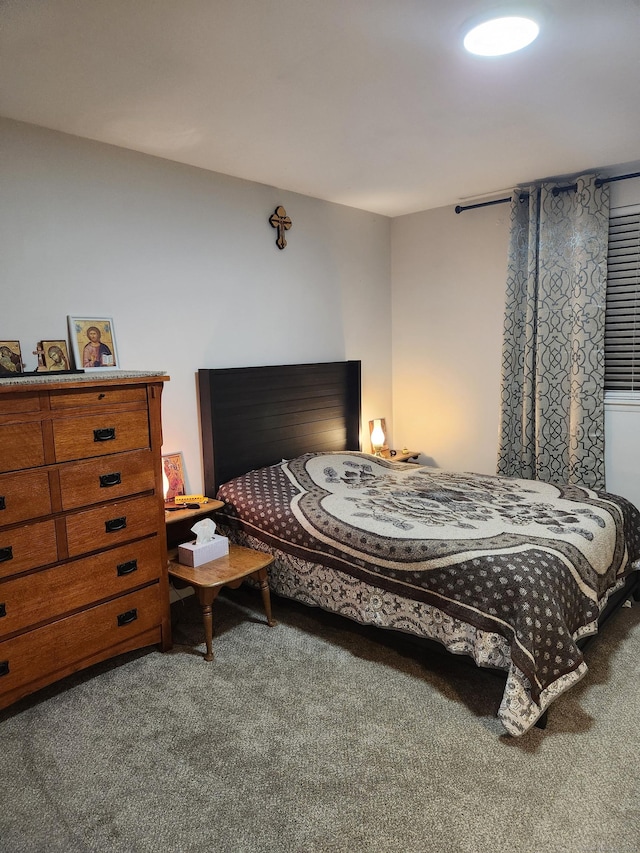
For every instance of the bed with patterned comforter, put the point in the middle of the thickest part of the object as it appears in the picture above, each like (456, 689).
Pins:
(512, 572)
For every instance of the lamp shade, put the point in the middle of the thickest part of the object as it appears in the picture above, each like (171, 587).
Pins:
(377, 433)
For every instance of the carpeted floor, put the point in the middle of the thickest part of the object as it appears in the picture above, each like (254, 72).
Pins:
(318, 736)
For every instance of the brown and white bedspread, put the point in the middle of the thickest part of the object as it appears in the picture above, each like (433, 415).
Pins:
(512, 572)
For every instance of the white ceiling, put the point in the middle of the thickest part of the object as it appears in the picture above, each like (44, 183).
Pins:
(368, 103)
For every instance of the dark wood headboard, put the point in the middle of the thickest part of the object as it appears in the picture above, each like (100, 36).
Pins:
(252, 417)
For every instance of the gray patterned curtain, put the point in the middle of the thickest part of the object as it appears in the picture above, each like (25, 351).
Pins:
(552, 416)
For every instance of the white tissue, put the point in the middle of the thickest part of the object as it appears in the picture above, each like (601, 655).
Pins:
(204, 530)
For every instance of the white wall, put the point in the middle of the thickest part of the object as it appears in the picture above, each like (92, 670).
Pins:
(185, 263)
(448, 274)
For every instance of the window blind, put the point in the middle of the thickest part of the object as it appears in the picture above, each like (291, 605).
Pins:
(622, 324)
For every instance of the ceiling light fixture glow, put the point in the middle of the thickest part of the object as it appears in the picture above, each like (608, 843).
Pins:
(501, 35)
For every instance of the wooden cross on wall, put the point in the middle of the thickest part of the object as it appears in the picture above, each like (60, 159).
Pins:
(282, 222)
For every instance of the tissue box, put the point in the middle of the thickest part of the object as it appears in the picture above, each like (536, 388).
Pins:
(194, 555)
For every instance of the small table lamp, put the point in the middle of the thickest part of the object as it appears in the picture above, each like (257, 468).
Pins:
(377, 433)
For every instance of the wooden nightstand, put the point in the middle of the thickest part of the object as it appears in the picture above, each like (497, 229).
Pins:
(208, 579)
(400, 455)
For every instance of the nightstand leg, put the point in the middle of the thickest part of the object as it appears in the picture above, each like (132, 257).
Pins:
(207, 618)
(261, 577)
(206, 597)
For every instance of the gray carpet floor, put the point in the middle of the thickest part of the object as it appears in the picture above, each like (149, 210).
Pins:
(318, 735)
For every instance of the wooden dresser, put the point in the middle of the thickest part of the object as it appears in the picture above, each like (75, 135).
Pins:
(83, 556)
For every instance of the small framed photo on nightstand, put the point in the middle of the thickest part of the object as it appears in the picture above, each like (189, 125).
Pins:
(173, 476)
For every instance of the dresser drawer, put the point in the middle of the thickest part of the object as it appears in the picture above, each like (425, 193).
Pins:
(97, 398)
(100, 434)
(41, 596)
(27, 547)
(21, 446)
(23, 496)
(44, 654)
(104, 479)
(113, 524)
(14, 403)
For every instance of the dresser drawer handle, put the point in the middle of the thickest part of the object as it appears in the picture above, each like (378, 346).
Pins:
(6, 554)
(115, 524)
(3, 609)
(4, 667)
(3, 503)
(128, 617)
(127, 568)
(107, 434)
(108, 480)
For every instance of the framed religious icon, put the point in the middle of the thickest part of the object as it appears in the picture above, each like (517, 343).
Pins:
(173, 476)
(93, 342)
(10, 358)
(56, 355)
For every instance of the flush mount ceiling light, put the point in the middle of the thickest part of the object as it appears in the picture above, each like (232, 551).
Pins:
(500, 35)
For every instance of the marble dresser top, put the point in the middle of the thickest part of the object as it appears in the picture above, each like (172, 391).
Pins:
(89, 376)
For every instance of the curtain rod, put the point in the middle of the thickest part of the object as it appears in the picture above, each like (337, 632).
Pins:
(555, 191)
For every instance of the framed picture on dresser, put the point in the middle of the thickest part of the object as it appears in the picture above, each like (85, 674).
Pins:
(10, 358)
(56, 355)
(93, 342)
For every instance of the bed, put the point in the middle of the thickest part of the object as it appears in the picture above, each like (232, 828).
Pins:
(516, 574)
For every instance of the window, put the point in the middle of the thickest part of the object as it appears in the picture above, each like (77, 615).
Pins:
(622, 327)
